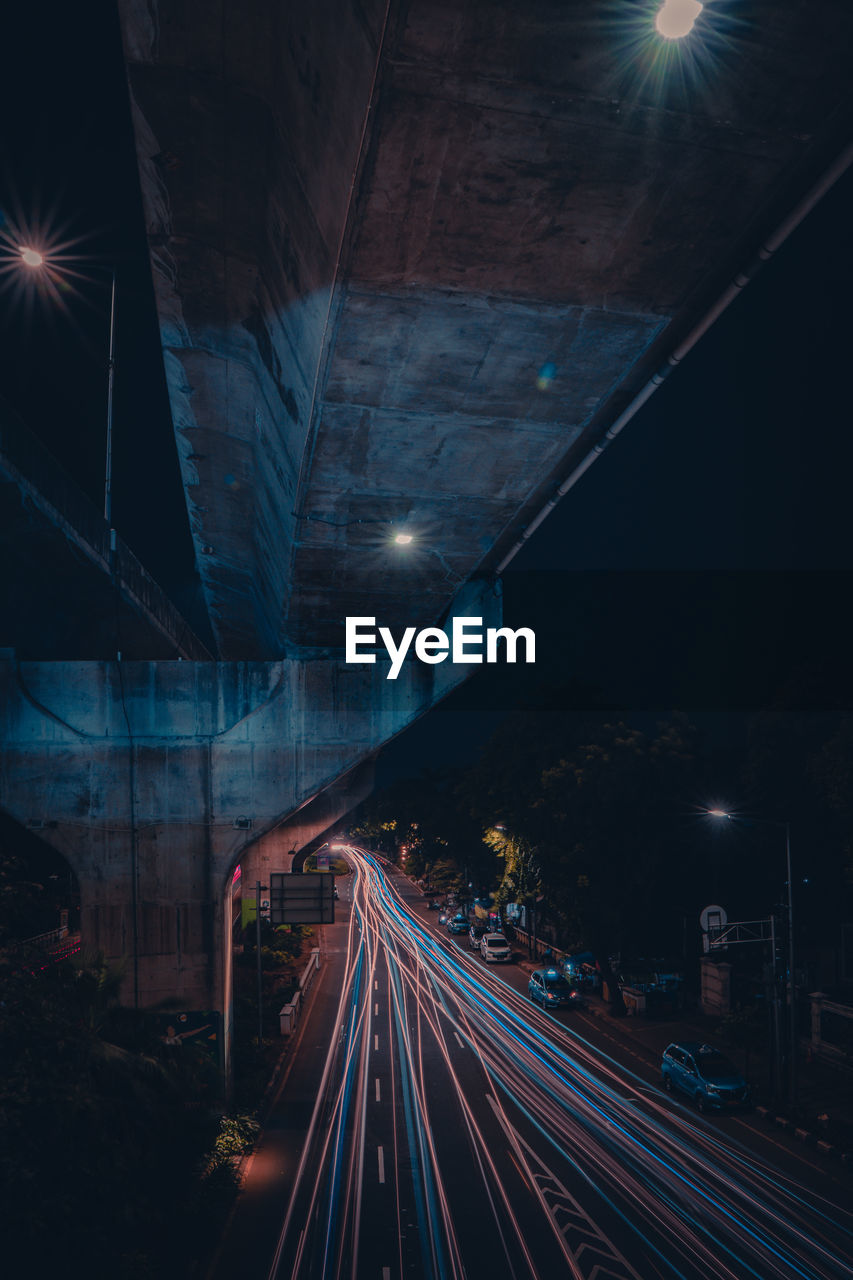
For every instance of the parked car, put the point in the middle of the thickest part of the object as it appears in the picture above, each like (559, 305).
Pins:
(581, 970)
(475, 934)
(703, 1074)
(494, 947)
(457, 924)
(553, 991)
(652, 987)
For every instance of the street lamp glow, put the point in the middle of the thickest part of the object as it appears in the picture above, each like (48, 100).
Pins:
(32, 257)
(718, 813)
(675, 18)
(403, 539)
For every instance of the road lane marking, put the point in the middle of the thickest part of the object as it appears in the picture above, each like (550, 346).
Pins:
(386, 1273)
(376, 985)
(460, 1042)
(376, 1042)
(378, 1099)
(376, 1008)
(381, 1154)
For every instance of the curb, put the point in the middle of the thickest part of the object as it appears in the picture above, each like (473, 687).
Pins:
(805, 1135)
(768, 1114)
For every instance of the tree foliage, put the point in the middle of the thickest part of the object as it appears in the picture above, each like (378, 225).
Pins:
(101, 1135)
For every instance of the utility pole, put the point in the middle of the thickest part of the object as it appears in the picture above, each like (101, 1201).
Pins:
(792, 988)
(777, 1034)
(260, 975)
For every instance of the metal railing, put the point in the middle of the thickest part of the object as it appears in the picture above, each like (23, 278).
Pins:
(289, 1013)
(40, 470)
(57, 944)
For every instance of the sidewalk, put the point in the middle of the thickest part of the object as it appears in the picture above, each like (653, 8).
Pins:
(824, 1112)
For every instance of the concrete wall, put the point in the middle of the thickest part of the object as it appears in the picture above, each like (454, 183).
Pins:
(273, 852)
(153, 779)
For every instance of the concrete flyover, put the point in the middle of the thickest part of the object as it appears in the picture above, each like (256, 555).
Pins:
(69, 587)
(414, 263)
(413, 258)
(154, 779)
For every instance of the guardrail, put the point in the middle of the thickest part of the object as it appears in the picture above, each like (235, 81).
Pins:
(288, 1015)
(540, 945)
(57, 944)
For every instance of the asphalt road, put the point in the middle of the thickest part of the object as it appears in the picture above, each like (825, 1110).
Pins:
(455, 1130)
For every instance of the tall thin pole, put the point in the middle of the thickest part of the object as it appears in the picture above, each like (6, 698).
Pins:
(792, 989)
(776, 1059)
(108, 471)
(260, 978)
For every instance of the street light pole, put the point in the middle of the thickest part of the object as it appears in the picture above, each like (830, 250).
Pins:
(37, 261)
(792, 990)
(260, 967)
(792, 1011)
(108, 476)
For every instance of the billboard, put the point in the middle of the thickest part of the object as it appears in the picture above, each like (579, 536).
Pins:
(302, 899)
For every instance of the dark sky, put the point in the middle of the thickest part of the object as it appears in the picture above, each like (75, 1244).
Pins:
(706, 552)
(68, 169)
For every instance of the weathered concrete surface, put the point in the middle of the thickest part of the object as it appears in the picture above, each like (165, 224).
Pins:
(274, 851)
(371, 229)
(153, 778)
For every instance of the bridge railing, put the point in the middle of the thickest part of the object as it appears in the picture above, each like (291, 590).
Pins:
(39, 468)
(56, 944)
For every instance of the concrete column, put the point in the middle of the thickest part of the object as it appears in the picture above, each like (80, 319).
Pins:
(154, 778)
(716, 987)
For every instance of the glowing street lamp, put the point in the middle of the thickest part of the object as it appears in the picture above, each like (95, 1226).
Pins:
(675, 18)
(792, 1029)
(36, 262)
(403, 539)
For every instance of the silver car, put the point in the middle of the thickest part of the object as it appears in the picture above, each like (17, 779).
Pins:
(494, 947)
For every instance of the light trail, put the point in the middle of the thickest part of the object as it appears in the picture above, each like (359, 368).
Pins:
(494, 1105)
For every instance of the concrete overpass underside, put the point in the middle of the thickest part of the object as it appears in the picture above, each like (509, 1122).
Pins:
(154, 779)
(413, 258)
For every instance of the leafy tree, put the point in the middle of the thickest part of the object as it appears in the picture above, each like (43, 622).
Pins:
(101, 1136)
(428, 819)
(593, 824)
(799, 768)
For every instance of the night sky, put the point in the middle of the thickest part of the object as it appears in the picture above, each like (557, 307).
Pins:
(705, 555)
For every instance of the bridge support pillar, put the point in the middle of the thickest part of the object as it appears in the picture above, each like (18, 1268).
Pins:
(154, 779)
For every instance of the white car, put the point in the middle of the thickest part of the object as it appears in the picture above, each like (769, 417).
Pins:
(494, 946)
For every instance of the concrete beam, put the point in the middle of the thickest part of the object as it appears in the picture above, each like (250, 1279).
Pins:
(274, 851)
(152, 779)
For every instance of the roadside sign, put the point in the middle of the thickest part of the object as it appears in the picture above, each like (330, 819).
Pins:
(305, 899)
(713, 919)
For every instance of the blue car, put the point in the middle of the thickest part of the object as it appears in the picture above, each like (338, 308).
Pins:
(549, 988)
(458, 924)
(705, 1075)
